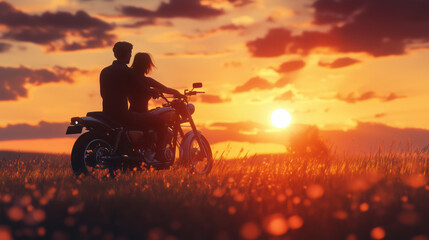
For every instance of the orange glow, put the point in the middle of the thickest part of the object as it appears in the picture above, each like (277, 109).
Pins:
(325, 92)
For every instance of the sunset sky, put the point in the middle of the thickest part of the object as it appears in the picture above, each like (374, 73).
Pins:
(355, 69)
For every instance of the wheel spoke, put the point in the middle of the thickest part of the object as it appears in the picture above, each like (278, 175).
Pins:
(200, 163)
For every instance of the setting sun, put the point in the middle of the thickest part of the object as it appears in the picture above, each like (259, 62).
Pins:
(280, 118)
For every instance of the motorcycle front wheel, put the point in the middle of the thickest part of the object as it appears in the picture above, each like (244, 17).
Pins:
(198, 158)
(87, 156)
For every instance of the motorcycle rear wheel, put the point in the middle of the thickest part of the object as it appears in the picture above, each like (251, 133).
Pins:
(87, 153)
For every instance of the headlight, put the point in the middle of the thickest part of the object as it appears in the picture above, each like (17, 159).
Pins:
(191, 108)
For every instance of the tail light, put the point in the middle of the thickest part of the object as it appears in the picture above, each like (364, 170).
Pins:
(75, 121)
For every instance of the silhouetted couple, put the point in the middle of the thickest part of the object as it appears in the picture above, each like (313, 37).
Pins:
(120, 84)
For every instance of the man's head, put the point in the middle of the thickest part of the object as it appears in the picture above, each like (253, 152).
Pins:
(122, 51)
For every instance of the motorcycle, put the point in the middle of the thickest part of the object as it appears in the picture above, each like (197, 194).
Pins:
(107, 146)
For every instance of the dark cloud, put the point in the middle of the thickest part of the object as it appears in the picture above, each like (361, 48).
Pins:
(272, 45)
(207, 98)
(286, 96)
(353, 97)
(52, 29)
(4, 47)
(174, 8)
(339, 63)
(14, 81)
(254, 83)
(376, 27)
(290, 66)
(27, 131)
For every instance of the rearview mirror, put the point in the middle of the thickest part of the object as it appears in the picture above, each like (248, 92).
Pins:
(197, 85)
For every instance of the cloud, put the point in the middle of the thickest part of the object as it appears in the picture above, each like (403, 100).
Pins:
(379, 28)
(282, 82)
(254, 83)
(207, 98)
(14, 81)
(286, 96)
(251, 132)
(224, 28)
(367, 136)
(272, 45)
(258, 83)
(226, 3)
(380, 115)
(52, 30)
(196, 54)
(4, 47)
(147, 22)
(174, 8)
(239, 126)
(353, 97)
(339, 63)
(240, 3)
(27, 131)
(290, 66)
(392, 96)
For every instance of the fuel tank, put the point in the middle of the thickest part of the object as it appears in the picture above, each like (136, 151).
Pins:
(168, 114)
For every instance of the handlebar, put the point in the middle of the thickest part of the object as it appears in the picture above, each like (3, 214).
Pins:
(186, 94)
(190, 93)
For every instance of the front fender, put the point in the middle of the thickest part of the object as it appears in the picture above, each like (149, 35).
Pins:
(186, 144)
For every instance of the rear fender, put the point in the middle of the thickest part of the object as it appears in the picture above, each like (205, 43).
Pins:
(94, 124)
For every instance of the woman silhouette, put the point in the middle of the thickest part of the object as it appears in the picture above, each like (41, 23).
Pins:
(143, 65)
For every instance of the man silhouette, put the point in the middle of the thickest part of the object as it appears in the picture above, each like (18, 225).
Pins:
(117, 83)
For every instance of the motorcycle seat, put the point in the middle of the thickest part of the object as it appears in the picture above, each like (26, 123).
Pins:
(104, 117)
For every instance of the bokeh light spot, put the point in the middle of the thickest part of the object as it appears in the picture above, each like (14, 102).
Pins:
(276, 224)
(378, 233)
(250, 231)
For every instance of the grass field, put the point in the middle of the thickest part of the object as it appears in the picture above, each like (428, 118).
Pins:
(378, 196)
